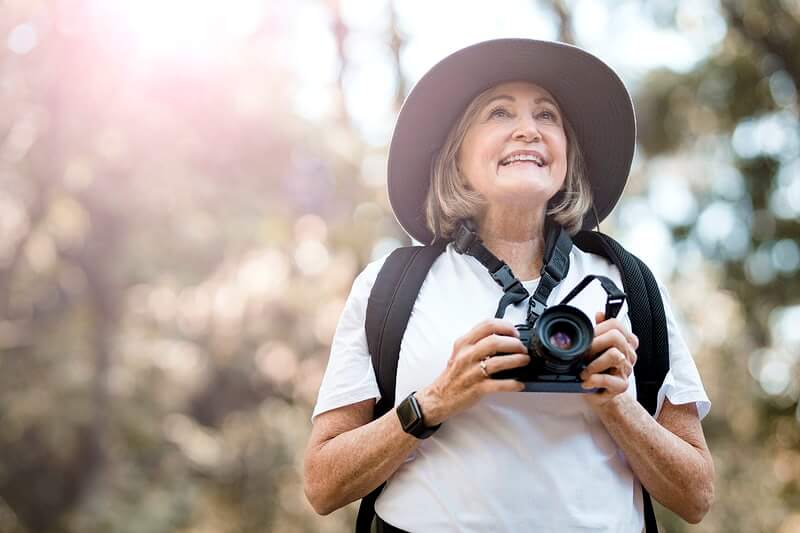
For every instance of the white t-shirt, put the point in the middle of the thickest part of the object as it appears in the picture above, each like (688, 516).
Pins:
(513, 461)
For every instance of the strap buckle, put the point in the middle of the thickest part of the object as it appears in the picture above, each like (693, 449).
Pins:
(504, 277)
(551, 271)
(535, 309)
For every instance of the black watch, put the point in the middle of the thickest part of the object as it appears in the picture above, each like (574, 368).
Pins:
(411, 418)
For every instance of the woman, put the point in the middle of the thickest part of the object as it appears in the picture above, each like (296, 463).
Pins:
(507, 133)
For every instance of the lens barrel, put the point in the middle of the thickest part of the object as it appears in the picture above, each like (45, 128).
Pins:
(562, 336)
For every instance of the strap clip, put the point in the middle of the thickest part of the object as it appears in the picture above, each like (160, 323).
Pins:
(535, 309)
(551, 271)
(505, 278)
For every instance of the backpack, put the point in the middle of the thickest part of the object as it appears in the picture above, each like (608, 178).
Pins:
(397, 286)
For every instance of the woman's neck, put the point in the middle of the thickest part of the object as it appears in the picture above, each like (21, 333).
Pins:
(517, 238)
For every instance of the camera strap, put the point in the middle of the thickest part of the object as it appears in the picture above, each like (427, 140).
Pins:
(558, 245)
(555, 267)
(614, 296)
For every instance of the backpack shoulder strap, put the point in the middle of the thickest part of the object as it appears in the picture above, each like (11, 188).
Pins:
(645, 310)
(388, 310)
(649, 324)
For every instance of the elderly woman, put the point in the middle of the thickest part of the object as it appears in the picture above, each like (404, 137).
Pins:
(510, 135)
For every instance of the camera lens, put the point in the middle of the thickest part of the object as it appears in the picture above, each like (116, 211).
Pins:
(561, 340)
(564, 334)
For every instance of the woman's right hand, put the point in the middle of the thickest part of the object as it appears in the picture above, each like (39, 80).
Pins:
(463, 382)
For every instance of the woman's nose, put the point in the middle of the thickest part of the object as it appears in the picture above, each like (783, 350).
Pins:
(527, 131)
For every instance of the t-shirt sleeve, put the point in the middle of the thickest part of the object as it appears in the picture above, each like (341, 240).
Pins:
(682, 384)
(349, 377)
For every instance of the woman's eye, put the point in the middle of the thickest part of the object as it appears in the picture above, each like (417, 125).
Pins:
(499, 112)
(548, 115)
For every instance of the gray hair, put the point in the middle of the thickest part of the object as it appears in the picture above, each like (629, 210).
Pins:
(451, 199)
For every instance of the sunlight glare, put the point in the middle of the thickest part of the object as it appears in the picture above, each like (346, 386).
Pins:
(184, 29)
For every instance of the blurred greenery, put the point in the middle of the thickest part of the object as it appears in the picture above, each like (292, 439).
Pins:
(178, 234)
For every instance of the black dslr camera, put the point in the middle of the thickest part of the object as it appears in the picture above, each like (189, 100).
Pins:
(558, 343)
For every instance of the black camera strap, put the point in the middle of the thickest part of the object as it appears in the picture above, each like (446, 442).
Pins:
(555, 267)
(614, 296)
(558, 245)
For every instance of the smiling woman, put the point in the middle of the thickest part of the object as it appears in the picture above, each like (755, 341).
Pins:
(487, 170)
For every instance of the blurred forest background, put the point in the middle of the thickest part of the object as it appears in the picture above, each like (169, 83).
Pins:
(188, 188)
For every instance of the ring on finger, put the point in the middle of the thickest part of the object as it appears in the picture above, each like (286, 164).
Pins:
(483, 367)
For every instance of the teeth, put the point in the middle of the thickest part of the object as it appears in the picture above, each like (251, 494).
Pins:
(525, 157)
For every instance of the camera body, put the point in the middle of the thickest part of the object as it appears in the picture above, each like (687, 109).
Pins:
(558, 343)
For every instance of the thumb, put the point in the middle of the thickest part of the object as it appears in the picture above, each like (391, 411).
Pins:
(599, 317)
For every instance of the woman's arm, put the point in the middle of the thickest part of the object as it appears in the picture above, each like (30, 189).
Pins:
(349, 454)
(669, 456)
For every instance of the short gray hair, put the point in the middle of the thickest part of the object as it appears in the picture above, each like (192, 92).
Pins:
(451, 199)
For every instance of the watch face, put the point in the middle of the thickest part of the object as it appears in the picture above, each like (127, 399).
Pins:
(409, 413)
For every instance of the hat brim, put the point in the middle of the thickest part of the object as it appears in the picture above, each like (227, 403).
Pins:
(589, 92)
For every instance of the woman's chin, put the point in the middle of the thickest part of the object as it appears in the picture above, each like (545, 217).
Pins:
(525, 195)
(526, 174)
(525, 185)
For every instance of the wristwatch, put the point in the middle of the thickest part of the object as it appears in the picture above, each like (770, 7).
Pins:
(411, 418)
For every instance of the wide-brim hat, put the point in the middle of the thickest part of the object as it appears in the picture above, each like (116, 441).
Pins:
(589, 92)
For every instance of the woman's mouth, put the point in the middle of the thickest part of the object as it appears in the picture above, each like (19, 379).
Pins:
(522, 159)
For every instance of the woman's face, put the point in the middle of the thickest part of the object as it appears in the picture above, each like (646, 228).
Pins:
(515, 149)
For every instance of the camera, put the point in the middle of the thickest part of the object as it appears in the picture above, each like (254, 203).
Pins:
(558, 342)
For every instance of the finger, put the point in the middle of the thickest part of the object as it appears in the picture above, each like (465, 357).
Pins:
(611, 358)
(488, 327)
(502, 385)
(494, 344)
(609, 339)
(611, 383)
(505, 362)
(612, 339)
(618, 365)
(615, 323)
(631, 355)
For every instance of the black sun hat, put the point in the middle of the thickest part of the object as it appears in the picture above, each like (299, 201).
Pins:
(589, 92)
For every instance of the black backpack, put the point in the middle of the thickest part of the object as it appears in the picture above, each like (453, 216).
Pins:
(395, 291)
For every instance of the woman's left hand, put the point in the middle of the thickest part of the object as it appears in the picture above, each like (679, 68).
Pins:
(615, 349)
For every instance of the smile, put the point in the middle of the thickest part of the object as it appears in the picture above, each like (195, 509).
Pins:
(522, 158)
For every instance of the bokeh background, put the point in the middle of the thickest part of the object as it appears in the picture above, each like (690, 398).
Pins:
(189, 187)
